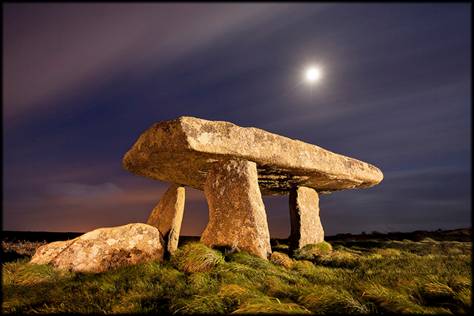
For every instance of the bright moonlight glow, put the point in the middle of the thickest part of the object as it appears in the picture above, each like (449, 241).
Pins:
(313, 74)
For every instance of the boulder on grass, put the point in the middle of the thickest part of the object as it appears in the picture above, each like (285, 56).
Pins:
(104, 249)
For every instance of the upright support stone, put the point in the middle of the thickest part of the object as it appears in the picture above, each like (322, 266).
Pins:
(237, 217)
(306, 225)
(168, 215)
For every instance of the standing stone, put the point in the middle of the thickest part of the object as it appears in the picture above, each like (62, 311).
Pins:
(306, 225)
(237, 217)
(168, 215)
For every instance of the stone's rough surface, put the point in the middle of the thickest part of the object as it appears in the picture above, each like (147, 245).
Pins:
(183, 150)
(168, 215)
(48, 252)
(237, 216)
(306, 225)
(103, 249)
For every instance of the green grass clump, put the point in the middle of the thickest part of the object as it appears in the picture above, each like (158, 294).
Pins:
(388, 252)
(234, 292)
(22, 273)
(464, 301)
(267, 305)
(436, 293)
(390, 300)
(303, 266)
(310, 251)
(234, 295)
(199, 304)
(458, 282)
(317, 274)
(199, 282)
(341, 259)
(328, 299)
(196, 257)
(249, 260)
(255, 273)
(281, 259)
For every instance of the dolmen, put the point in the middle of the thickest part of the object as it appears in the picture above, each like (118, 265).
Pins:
(235, 166)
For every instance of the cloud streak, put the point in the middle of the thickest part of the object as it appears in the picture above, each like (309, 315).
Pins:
(59, 50)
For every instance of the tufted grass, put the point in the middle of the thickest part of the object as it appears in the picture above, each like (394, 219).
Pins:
(196, 257)
(366, 277)
(311, 251)
(281, 259)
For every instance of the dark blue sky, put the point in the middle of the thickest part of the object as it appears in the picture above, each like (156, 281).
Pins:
(82, 81)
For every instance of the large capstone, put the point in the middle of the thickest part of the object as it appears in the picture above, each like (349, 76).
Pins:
(306, 225)
(168, 215)
(104, 249)
(185, 149)
(237, 216)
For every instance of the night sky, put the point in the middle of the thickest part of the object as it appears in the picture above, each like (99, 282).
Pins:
(82, 81)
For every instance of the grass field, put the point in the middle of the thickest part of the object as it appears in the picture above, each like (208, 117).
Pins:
(358, 276)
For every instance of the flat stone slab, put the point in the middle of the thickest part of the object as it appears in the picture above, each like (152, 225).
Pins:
(183, 150)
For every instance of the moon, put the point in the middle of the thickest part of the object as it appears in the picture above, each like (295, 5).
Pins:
(312, 74)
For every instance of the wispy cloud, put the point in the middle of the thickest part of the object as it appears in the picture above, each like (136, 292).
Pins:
(59, 50)
(84, 191)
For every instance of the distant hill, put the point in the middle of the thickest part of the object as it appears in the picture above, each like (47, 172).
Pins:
(12, 236)
(462, 234)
